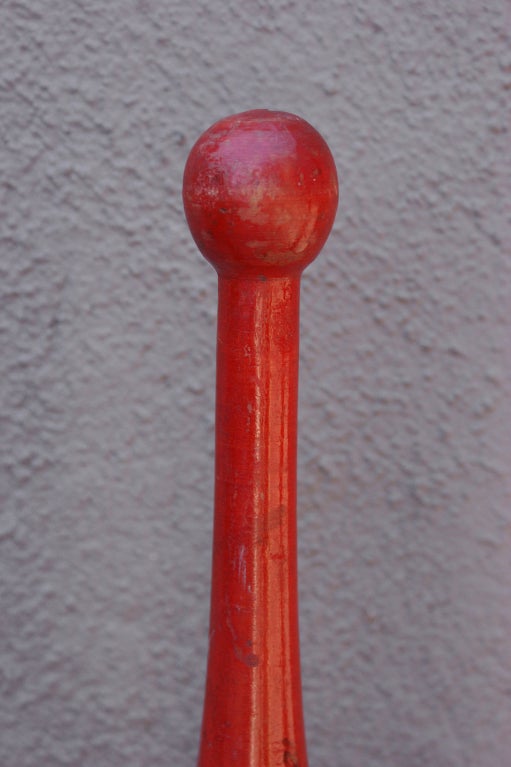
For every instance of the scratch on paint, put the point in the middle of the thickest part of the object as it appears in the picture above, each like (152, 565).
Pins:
(242, 566)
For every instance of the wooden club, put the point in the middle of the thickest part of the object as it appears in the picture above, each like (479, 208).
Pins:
(260, 196)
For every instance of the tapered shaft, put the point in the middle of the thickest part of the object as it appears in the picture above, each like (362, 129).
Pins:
(253, 698)
(260, 194)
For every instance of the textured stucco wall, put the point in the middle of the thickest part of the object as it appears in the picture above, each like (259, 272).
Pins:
(107, 368)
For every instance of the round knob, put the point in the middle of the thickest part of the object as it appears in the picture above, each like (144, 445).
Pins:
(260, 193)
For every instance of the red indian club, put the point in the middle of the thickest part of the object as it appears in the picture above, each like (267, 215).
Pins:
(260, 196)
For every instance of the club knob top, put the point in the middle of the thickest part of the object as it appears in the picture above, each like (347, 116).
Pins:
(260, 194)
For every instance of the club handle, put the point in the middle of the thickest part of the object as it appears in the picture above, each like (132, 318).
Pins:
(260, 196)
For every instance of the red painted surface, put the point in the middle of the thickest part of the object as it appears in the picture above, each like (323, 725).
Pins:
(260, 196)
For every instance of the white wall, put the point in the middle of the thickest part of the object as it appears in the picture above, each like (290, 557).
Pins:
(107, 370)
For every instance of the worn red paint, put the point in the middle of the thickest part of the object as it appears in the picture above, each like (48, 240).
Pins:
(260, 196)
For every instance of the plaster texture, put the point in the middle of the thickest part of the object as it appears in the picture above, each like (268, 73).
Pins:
(107, 324)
